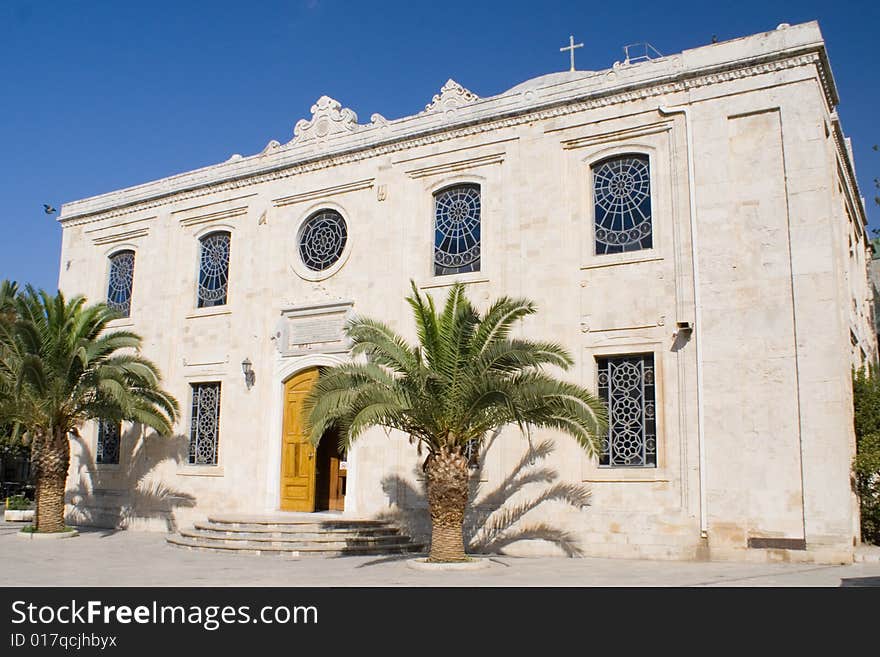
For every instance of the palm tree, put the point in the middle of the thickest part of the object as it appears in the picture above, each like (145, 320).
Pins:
(10, 442)
(60, 367)
(465, 378)
(8, 292)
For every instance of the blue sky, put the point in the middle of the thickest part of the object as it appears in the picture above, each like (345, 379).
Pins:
(102, 95)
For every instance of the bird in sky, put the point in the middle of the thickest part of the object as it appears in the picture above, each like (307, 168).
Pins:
(48, 209)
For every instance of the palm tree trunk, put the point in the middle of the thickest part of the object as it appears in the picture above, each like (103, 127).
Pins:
(447, 498)
(52, 459)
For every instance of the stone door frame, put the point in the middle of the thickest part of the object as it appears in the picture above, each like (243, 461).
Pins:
(285, 369)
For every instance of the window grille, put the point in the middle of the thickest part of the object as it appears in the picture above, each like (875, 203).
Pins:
(457, 230)
(626, 385)
(213, 270)
(622, 204)
(322, 240)
(121, 282)
(204, 424)
(107, 448)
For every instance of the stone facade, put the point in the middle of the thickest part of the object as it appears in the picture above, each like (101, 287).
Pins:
(753, 300)
(874, 281)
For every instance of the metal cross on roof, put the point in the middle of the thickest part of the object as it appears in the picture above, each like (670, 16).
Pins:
(571, 46)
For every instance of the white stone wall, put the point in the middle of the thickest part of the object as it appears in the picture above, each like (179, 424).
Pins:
(779, 296)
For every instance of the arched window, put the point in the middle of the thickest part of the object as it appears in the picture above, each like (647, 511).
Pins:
(457, 230)
(213, 269)
(121, 282)
(322, 240)
(622, 204)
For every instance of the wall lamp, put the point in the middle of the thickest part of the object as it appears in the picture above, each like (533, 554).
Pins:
(247, 368)
(684, 329)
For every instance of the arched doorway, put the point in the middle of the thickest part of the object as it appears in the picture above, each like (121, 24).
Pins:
(311, 480)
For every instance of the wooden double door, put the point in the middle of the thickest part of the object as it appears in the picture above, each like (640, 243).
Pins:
(311, 479)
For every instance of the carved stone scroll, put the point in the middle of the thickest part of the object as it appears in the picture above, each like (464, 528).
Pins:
(329, 118)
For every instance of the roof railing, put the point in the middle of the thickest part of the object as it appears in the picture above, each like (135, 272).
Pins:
(640, 52)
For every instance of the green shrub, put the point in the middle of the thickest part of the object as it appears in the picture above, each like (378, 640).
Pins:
(18, 503)
(867, 469)
(866, 465)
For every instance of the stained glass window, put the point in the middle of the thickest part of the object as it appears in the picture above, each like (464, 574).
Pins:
(457, 230)
(213, 269)
(121, 282)
(107, 448)
(204, 432)
(322, 240)
(626, 385)
(622, 196)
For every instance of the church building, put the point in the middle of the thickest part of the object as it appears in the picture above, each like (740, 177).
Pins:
(689, 226)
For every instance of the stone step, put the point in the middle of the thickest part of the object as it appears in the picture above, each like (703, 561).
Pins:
(294, 534)
(866, 553)
(319, 539)
(310, 529)
(333, 546)
(313, 525)
(288, 550)
(295, 519)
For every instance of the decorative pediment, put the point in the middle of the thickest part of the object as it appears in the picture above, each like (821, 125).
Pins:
(452, 96)
(329, 118)
(271, 147)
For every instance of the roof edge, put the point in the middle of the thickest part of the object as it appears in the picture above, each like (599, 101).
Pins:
(333, 132)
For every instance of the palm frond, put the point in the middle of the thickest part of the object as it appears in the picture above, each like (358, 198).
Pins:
(61, 366)
(511, 356)
(425, 315)
(381, 345)
(499, 319)
(465, 379)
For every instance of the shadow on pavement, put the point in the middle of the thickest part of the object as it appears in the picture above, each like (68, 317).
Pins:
(860, 581)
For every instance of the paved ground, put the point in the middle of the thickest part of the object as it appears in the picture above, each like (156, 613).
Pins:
(129, 558)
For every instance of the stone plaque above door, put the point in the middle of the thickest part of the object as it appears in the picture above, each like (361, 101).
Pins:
(315, 328)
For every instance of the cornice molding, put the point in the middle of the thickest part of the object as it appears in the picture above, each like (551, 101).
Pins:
(461, 149)
(395, 137)
(198, 210)
(227, 208)
(120, 237)
(616, 135)
(458, 165)
(847, 168)
(220, 215)
(302, 197)
(119, 225)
